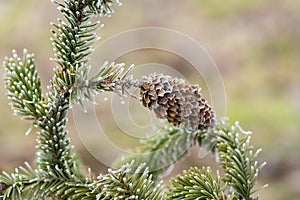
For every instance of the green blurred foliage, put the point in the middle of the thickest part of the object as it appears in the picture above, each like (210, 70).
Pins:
(254, 43)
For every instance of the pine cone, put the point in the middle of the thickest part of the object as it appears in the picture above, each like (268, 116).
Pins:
(174, 100)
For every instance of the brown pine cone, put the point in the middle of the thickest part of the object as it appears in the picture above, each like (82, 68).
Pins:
(176, 101)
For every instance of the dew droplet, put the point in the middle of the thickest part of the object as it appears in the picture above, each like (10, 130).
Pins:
(105, 99)
(123, 102)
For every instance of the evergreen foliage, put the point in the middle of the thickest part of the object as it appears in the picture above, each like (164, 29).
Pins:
(238, 159)
(162, 150)
(23, 85)
(57, 173)
(196, 184)
(127, 183)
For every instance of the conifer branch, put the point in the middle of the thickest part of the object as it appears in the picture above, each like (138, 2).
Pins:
(73, 40)
(162, 150)
(196, 184)
(72, 43)
(128, 183)
(38, 184)
(110, 78)
(23, 85)
(58, 174)
(238, 158)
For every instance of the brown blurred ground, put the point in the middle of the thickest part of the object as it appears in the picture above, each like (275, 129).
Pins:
(255, 44)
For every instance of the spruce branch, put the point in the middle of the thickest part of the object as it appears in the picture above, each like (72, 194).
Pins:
(58, 175)
(110, 77)
(38, 184)
(238, 158)
(128, 183)
(104, 5)
(73, 40)
(196, 184)
(72, 43)
(162, 150)
(23, 85)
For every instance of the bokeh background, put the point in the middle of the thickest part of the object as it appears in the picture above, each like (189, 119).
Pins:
(255, 44)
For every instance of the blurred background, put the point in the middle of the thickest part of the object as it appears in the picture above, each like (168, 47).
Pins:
(255, 44)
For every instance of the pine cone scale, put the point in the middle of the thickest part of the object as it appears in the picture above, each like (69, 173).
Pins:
(174, 100)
